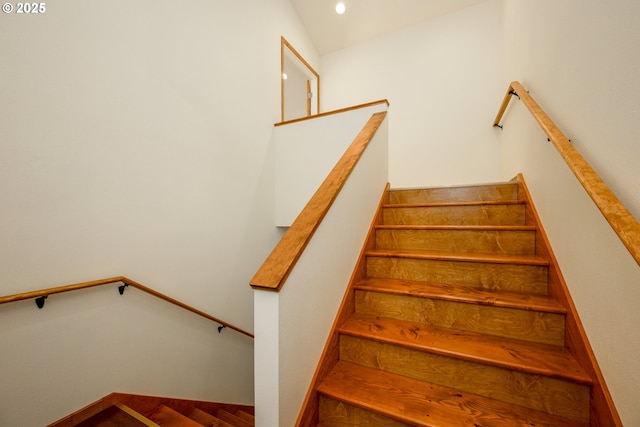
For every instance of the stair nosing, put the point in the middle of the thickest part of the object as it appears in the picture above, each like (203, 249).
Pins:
(533, 260)
(449, 227)
(232, 418)
(135, 414)
(421, 391)
(454, 187)
(517, 360)
(163, 408)
(453, 204)
(465, 295)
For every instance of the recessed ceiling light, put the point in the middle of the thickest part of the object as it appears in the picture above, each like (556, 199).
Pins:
(340, 8)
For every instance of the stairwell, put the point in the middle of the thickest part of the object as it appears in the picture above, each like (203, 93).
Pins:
(166, 417)
(127, 410)
(452, 323)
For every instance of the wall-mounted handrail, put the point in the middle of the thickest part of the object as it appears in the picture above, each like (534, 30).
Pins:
(623, 223)
(273, 273)
(43, 293)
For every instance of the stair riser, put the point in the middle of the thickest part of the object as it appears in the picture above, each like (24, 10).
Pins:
(168, 417)
(496, 242)
(498, 277)
(464, 333)
(456, 215)
(525, 325)
(334, 413)
(207, 419)
(233, 419)
(479, 193)
(550, 395)
(246, 416)
(114, 416)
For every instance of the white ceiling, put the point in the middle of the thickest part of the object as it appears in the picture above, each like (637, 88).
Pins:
(365, 19)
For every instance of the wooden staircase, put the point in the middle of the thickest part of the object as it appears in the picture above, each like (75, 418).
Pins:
(126, 410)
(166, 417)
(450, 322)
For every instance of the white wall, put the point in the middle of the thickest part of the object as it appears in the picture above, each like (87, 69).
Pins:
(442, 79)
(85, 345)
(135, 140)
(305, 153)
(578, 59)
(300, 316)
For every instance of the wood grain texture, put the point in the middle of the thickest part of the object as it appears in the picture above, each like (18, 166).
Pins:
(279, 264)
(419, 403)
(184, 306)
(526, 325)
(335, 413)
(117, 415)
(85, 413)
(233, 419)
(503, 106)
(563, 398)
(478, 213)
(623, 223)
(143, 404)
(477, 193)
(207, 419)
(475, 239)
(59, 289)
(167, 417)
(246, 416)
(603, 410)
(547, 360)
(491, 273)
(309, 413)
(123, 280)
(485, 324)
(463, 294)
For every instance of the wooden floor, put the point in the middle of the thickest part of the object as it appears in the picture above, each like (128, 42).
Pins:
(450, 322)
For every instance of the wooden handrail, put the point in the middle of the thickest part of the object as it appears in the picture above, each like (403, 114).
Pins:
(274, 271)
(338, 111)
(623, 223)
(118, 279)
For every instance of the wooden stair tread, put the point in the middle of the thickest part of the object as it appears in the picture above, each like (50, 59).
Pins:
(246, 416)
(233, 419)
(454, 323)
(453, 204)
(507, 240)
(463, 294)
(422, 404)
(447, 256)
(117, 414)
(463, 193)
(207, 419)
(456, 227)
(459, 213)
(167, 417)
(541, 359)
